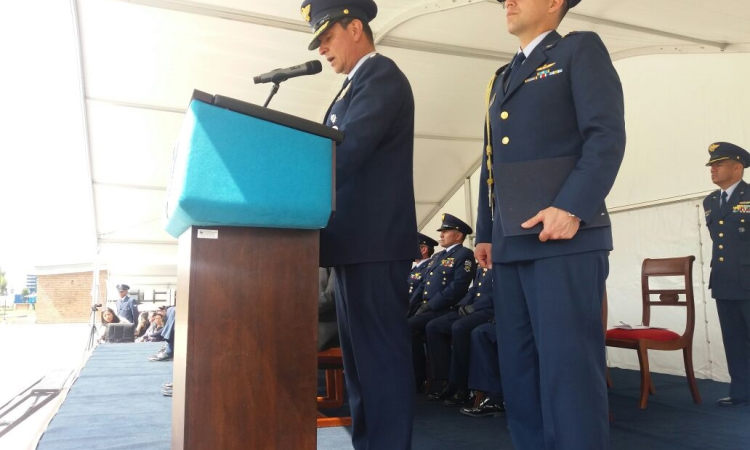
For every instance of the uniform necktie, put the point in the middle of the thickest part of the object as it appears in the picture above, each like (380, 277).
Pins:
(724, 197)
(517, 61)
(335, 99)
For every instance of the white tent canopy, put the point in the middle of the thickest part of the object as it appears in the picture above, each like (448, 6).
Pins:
(126, 70)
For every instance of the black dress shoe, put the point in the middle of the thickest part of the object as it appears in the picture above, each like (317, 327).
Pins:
(462, 396)
(444, 393)
(729, 401)
(487, 407)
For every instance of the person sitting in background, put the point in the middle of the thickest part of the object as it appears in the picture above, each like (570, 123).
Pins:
(167, 352)
(484, 372)
(153, 334)
(108, 316)
(143, 325)
(328, 332)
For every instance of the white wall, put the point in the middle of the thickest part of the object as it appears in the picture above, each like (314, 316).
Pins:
(675, 106)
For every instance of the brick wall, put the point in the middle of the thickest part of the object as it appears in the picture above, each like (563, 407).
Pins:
(66, 298)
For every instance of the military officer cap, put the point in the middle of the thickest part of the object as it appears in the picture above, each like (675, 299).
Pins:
(426, 240)
(571, 3)
(454, 223)
(322, 14)
(123, 287)
(720, 151)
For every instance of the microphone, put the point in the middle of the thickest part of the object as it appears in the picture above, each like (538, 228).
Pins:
(279, 75)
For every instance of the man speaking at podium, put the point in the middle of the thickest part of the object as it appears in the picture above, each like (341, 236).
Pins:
(372, 239)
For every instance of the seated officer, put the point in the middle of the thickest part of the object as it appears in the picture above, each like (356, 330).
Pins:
(475, 309)
(427, 249)
(444, 285)
(484, 372)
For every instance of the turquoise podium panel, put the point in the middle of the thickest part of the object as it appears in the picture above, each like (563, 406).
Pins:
(234, 169)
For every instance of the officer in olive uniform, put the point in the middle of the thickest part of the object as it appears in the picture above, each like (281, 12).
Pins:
(371, 241)
(444, 285)
(728, 220)
(127, 306)
(427, 249)
(560, 97)
(449, 339)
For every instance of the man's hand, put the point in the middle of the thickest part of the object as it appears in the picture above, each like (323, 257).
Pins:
(483, 254)
(422, 309)
(465, 310)
(556, 223)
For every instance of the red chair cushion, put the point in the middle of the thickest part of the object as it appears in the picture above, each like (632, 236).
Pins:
(634, 335)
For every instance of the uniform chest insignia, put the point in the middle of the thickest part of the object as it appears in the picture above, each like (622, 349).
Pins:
(467, 266)
(708, 212)
(333, 118)
(543, 74)
(742, 209)
(416, 276)
(545, 67)
(448, 262)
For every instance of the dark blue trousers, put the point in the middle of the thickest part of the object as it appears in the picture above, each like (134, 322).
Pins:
(734, 317)
(168, 331)
(548, 314)
(418, 324)
(452, 362)
(371, 304)
(484, 368)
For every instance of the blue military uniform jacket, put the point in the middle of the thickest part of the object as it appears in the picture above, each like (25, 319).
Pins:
(127, 309)
(416, 276)
(565, 100)
(730, 233)
(447, 279)
(375, 218)
(480, 293)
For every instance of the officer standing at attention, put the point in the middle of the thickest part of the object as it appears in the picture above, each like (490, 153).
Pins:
(372, 240)
(127, 307)
(444, 285)
(559, 97)
(728, 220)
(427, 249)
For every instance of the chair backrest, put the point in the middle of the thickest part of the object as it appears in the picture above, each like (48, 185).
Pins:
(669, 267)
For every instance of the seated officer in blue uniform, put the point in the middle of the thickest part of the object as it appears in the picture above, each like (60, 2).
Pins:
(445, 284)
(127, 306)
(372, 239)
(484, 372)
(560, 97)
(451, 362)
(728, 220)
(426, 249)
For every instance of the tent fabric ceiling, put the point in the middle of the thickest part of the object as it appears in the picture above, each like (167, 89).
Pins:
(141, 60)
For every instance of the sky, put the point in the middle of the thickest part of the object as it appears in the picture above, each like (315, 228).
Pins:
(46, 213)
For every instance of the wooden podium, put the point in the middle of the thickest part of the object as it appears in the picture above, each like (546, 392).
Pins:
(250, 189)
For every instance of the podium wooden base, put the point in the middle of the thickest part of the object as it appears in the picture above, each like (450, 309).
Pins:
(245, 339)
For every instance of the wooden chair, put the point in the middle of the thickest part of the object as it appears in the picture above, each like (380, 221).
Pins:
(653, 339)
(332, 362)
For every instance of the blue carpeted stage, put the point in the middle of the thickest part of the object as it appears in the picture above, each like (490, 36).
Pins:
(116, 404)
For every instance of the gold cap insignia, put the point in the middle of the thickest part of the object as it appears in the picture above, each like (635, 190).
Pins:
(306, 13)
(442, 219)
(346, 11)
(713, 147)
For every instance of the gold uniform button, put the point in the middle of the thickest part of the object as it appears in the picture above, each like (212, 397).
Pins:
(506, 140)
(424, 301)
(721, 259)
(480, 284)
(721, 247)
(721, 234)
(479, 294)
(721, 222)
(428, 282)
(430, 273)
(742, 220)
(504, 115)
